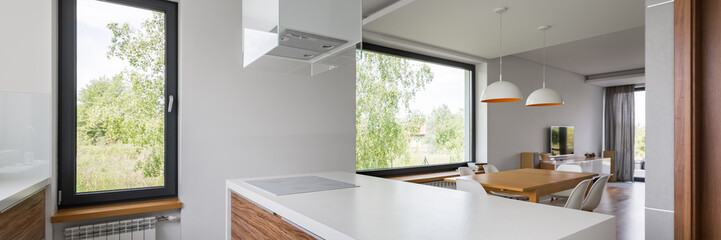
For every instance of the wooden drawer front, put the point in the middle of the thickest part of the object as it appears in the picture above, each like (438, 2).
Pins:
(250, 221)
(26, 220)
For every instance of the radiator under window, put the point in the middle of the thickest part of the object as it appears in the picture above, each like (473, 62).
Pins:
(132, 229)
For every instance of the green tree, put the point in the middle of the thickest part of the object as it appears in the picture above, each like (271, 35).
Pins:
(447, 132)
(385, 85)
(98, 109)
(414, 121)
(640, 141)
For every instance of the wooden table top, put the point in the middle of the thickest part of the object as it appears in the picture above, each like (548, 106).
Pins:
(526, 179)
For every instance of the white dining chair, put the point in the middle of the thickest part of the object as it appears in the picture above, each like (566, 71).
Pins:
(577, 195)
(466, 171)
(489, 168)
(595, 194)
(471, 186)
(566, 168)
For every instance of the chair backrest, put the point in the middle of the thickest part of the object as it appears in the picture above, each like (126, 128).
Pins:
(595, 194)
(470, 185)
(545, 157)
(576, 198)
(466, 171)
(569, 168)
(489, 168)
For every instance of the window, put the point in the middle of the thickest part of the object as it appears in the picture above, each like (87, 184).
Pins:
(640, 132)
(412, 111)
(117, 125)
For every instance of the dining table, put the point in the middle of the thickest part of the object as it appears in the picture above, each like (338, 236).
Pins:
(529, 182)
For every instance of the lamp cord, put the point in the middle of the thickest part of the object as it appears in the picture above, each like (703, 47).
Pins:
(544, 58)
(500, 38)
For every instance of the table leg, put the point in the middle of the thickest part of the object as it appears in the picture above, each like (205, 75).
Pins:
(533, 197)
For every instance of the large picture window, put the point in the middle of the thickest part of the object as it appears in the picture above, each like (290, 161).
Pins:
(412, 111)
(117, 101)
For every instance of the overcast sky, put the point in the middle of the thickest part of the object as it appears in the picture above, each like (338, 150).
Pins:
(640, 107)
(448, 87)
(94, 37)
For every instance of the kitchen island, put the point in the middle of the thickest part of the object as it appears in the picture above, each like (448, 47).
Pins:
(387, 209)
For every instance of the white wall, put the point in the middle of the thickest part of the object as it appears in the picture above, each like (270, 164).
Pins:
(481, 117)
(242, 123)
(514, 128)
(25, 46)
(660, 122)
(26, 64)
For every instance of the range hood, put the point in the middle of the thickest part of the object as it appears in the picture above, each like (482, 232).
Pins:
(319, 35)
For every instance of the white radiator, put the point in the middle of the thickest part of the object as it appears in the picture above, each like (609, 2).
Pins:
(443, 184)
(132, 229)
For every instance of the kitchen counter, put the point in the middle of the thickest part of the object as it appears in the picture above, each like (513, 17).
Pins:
(388, 209)
(14, 190)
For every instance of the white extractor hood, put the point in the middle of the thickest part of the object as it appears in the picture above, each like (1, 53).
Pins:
(316, 34)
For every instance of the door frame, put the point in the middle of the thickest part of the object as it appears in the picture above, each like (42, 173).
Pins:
(697, 80)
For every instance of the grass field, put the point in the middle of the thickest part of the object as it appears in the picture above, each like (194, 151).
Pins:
(416, 159)
(111, 167)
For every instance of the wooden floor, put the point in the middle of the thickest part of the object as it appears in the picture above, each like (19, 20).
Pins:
(625, 201)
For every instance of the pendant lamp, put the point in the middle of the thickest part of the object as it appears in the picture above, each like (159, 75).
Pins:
(544, 96)
(501, 91)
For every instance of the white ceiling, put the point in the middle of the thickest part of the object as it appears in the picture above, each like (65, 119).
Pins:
(611, 52)
(372, 6)
(471, 27)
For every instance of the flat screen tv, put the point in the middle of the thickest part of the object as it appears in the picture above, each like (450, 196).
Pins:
(562, 140)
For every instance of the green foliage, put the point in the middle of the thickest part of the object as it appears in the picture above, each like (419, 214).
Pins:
(128, 108)
(640, 141)
(110, 167)
(447, 132)
(99, 110)
(143, 49)
(414, 121)
(384, 86)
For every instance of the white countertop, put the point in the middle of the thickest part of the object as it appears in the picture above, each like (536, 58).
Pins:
(389, 209)
(14, 190)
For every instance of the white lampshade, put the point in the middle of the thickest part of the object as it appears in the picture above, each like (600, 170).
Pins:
(501, 91)
(544, 97)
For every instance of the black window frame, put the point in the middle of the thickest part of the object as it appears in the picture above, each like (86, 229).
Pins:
(401, 171)
(67, 114)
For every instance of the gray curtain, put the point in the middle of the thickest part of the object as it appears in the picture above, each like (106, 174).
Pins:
(619, 129)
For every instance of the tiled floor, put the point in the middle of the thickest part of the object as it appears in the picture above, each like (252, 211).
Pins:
(625, 201)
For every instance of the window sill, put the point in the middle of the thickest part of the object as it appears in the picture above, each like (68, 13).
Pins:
(101, 211)
(430, 177)
(415, 170)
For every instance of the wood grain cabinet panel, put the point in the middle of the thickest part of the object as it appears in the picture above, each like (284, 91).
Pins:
(25, 220)
(249, 221)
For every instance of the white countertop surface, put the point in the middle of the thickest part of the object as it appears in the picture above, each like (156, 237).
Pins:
(389, 209)
(14, 190)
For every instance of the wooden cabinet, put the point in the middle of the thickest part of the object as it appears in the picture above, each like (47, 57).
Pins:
(528, 160)
(249, 221)
(26, 220)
